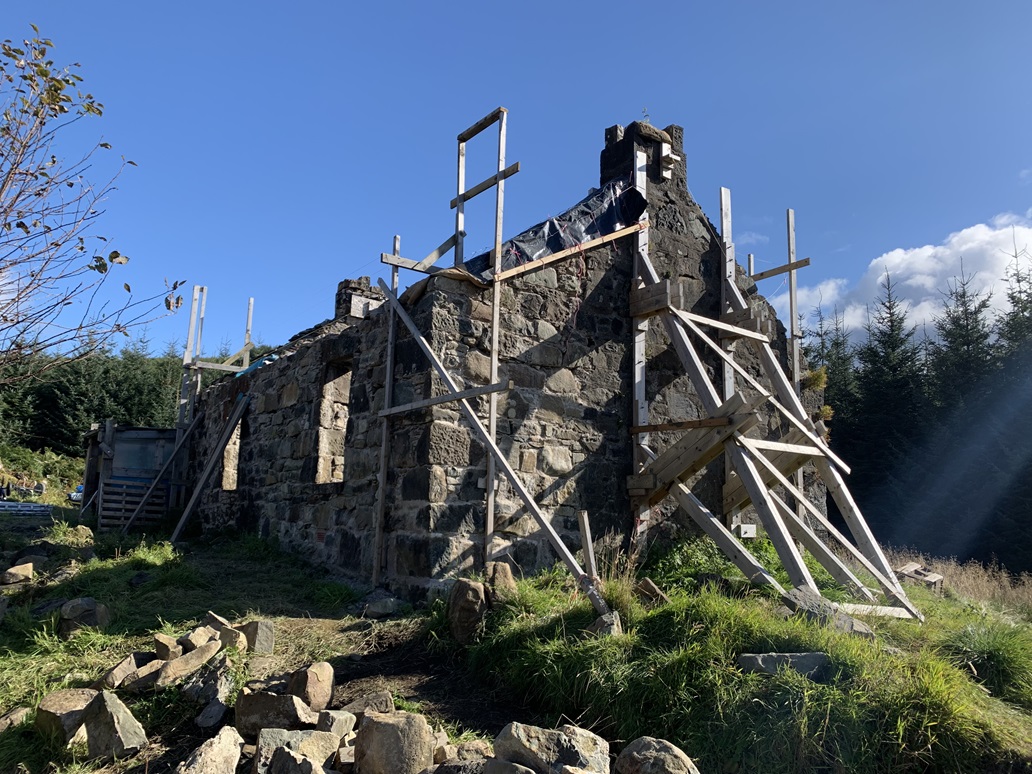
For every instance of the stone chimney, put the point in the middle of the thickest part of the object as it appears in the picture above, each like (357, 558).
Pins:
(664, 149)
(356, 298)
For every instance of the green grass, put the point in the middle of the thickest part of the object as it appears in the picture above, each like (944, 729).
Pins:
(236, 576)
(673, 674)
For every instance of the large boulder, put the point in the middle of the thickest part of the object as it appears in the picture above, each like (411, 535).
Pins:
(111, 729)
(313, 685)
(59, 714)
(394, 743)
(545, 750)
(255, 711)
(467, 606)
(218, 755)
(648, 755)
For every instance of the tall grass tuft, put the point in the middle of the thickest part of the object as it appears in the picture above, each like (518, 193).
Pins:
(998, 655)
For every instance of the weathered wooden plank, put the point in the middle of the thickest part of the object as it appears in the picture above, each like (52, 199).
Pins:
(482, 124)
(887, 581)
(210, 465)
(828, 559)
(880, 610)
(650, 300)
(473, 392)
(587, 544)
(738, 331)
(791, 266)
(791, 448)
(586, 584)
(688, 424)
(435, 255)
(576, 249)
(483, 185)
(408, 263)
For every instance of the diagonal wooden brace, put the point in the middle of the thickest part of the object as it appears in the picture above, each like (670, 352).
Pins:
(582, 578)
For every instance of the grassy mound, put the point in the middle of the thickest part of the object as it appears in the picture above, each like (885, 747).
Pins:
(947, 695)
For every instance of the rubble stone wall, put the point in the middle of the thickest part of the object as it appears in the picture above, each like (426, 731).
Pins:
(310, 440)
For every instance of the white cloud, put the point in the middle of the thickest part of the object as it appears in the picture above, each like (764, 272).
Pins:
(747, 238)
(982, 252)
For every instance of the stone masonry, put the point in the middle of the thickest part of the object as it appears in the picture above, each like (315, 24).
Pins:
(307, 456)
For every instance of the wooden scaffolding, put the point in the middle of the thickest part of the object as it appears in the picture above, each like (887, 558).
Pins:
(756, 469)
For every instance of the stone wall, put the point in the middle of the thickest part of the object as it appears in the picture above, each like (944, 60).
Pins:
(309, 443)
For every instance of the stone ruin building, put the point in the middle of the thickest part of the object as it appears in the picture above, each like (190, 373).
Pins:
(586, 388)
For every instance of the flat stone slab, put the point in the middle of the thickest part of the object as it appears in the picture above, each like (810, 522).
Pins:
(812, 665)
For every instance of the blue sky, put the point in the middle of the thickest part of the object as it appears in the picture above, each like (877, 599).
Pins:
(282, 145)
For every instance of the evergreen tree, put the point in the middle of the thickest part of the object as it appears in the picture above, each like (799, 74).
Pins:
(964, 354)
(891, 409)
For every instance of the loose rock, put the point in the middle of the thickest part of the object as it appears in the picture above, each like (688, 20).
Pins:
(812, 665)
(144, 677)
(13, 718)
(216, 621)
(313, 685)
(382, 608)
(336, 722)
(607, 625)
(60, 714)
(175, 670)
(286, 761)
(196, 638)
(166, 647)
(212, 714)
(648, 755)
(467, 607)
(255, 711)
(84, 611)
(319, 746)
(381, 701)
(111, 729)
(500, 580)
(20, 573)
(261, 637)
(546, 750)
(233, 638)
(118, 674)
(495, 766)
(218, 755)
(394, 743)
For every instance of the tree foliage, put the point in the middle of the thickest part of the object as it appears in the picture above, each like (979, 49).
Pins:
(52, 263)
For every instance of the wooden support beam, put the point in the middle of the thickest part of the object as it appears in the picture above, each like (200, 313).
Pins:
(435, 255)
(216, 366)
(473, 392)
(820, 550)
(741, 316)
(647, 301)
(482, 124)
(483, 185)
(688, 424)
(740, 332)
(792, 266)
(212, 462)
(408, 263)
(887, 581)
(586, 584)
(879, 610)
(790, 448)
(697, 448)
(582, 247)
(587, 544)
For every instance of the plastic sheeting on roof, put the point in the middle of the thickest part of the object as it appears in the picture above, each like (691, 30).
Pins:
(610, 208)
